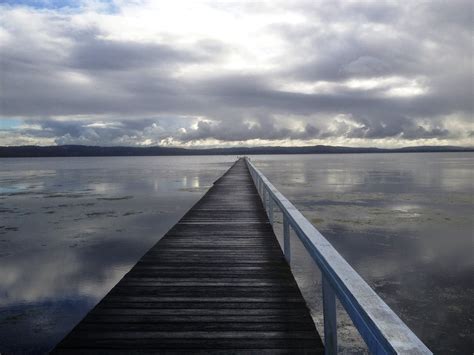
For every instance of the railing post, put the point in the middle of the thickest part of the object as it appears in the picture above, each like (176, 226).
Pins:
(330, 323)
(265, 198)
(270, 209)
(286, 239)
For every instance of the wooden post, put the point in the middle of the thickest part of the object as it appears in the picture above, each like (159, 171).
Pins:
(330, 322)
(286, 239)
(270, 209)
(265, 199)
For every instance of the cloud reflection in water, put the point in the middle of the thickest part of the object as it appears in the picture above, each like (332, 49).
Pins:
(71, 228)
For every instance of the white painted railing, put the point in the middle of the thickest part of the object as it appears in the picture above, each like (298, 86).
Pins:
(382, 330)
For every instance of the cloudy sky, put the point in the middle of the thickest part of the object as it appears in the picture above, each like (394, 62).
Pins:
(226, 73)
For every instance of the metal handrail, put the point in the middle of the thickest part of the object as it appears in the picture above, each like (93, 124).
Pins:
(382, 330)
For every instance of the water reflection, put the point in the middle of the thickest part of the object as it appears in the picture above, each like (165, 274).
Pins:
(70, 229)
(190, 182)
(404, 222)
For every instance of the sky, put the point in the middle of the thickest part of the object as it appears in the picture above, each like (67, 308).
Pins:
(236, 73)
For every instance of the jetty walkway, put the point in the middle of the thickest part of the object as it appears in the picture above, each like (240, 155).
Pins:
(217, 282)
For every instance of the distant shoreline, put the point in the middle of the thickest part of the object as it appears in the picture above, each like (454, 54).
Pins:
(97, 151)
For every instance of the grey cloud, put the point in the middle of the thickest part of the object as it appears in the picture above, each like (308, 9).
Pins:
(100, 54)
(336, 56)
(399, 47)
(119, 77)
(367, 66)
(133, 85)
(263, 128)
(136, 131)
(94, 132)
(267, 128)
(253, 93)
(392, 127)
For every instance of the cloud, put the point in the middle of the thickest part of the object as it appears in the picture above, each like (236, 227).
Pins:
(366, 66)
(156, 72)
(110, 55)
(262, 129)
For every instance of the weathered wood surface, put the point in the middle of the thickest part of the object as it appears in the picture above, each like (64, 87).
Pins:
(217, 282)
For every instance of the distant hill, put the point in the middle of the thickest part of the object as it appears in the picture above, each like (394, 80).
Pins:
(90, 151)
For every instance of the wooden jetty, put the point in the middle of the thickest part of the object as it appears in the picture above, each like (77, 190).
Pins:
(217, 282)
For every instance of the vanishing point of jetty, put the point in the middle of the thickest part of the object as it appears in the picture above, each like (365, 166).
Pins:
(218, 282)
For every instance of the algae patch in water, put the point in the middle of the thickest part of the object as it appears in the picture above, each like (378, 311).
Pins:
(65, 195)
(102, 214)
(317, 220)
(131, 213)
(114, 198)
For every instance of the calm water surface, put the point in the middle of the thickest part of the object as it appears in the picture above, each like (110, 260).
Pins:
(71, 227)
(404, 222)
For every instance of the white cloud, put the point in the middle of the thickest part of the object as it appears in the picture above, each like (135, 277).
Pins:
(148, 72)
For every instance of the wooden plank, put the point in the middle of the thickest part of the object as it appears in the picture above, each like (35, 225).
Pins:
(203, 326)
(217, 282)
(190, 344)
(214, 299)
(299, 312)
(202, 305)
(107, 318)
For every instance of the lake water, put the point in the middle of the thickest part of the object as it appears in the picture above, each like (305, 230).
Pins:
(404, 222)
(71, 227)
